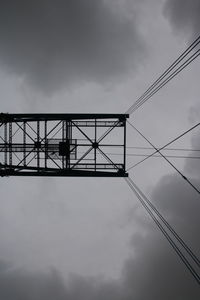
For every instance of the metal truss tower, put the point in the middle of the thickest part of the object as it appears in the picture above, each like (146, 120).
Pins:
(63, 145)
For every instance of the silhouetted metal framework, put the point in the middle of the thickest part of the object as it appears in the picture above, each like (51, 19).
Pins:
(62, 144)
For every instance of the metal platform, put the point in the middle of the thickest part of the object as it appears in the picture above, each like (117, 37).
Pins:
(63, 145)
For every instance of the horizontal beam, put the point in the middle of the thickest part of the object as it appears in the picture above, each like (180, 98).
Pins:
(53, 117)
(64, 173)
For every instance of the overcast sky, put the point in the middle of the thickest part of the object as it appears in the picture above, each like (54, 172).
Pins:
(88, 238)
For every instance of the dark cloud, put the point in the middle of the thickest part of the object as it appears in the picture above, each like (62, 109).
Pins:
(18, 284)
(56, 43)
(153, 272)
(156, 271)
(23, 285)
(184, 16)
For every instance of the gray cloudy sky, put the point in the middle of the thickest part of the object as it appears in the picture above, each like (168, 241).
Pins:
(89, 238)
(51, 45)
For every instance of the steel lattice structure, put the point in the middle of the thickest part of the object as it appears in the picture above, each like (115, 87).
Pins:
(62, 144)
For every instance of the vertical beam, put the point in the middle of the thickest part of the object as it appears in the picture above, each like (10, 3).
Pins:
(45, 143)
(6, 142)
(124, 145)
(70, 139)
(38, 148)
(10, 143)
(63, 139)
(95, 149)
(66, 138)
(24, 142)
